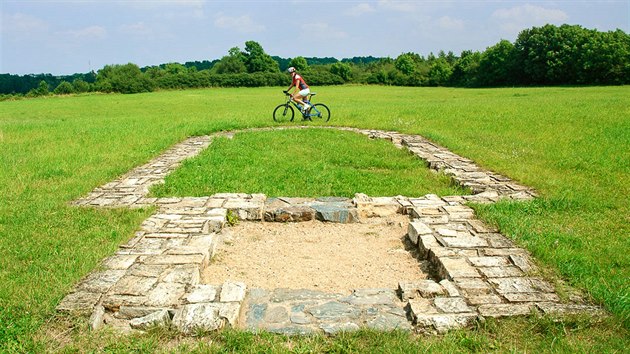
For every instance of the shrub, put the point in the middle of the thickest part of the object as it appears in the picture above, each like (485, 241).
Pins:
(64, 88)
(80, 86)
(124, 79)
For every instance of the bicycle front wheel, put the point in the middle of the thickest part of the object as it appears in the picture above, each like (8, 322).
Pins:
(320, 112)
(283, 113)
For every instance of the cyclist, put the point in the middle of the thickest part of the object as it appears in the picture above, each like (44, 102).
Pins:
(301, 89)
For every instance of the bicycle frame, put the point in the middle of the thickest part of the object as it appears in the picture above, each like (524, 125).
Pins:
(313, 112)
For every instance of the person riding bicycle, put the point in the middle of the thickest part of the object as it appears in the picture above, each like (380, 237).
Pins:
(301, 89)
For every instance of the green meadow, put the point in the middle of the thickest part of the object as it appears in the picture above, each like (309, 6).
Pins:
(571, 144)
(305, 163)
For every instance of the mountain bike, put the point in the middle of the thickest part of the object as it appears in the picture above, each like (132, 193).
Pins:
(285, 112)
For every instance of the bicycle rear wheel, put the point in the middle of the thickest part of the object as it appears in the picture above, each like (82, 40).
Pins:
(283, 113)
(320, 112)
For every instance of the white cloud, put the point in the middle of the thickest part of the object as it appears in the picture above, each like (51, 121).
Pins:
(21, 23)
(90, 33)
(404, 6)
(150, 4)
(515, 19)
(449, 23)
(136, 29)
(531, 12)
(360, 9)
(323, 30)
(243, 24)
(169, 9)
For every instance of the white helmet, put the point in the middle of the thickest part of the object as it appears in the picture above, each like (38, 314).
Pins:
(291, 69)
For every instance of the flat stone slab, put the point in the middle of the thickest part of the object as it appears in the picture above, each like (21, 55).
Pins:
(158, 318)
(452, 268)
(233, 292)
(202, 293)
(310, 311)
(334, 311)
(289, 213)
(339, 212)
(425, 288)
(198, 317)
(80, 301)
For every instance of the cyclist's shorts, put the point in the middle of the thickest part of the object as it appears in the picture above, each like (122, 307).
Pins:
(305, 92)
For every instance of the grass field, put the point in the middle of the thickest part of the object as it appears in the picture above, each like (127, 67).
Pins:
(571, 144)
(304, 163)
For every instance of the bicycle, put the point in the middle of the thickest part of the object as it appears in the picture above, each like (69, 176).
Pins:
(285, 112)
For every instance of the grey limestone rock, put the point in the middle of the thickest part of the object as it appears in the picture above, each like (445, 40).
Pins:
(201, 293)
(232, 291)
(158, 318)
(198, 317)
(335, 328)
(334, 311)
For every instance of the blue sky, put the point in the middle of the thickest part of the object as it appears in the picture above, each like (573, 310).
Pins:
(69, 36)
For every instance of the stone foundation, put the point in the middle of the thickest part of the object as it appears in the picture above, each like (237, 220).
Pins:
(154, 278)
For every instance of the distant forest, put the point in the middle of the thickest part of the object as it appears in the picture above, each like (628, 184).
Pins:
(547, 55)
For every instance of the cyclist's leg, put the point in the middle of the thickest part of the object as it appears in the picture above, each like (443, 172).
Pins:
(304, 94)
(298, 98)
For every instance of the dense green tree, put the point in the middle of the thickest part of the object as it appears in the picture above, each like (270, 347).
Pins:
(201, 65)
(80, 86)
(64, 88)
(360, 60)
(283, 63)
(605, 59)
(41, 90)
(321, 61)
(233, 63)
(548, 54)
(154, 73)
(342, 70)
(124, 79)
(451, 58)
(256, 60)
(319, 75)
(440, 72)
(465, 70)
(571, 54)
(406, 63)
(496, 67)
(299, 63)
(175, 69)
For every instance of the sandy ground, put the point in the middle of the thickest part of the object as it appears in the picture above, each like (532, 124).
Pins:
(315, 255)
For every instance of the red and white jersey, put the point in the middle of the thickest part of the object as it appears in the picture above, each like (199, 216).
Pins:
(298, 81)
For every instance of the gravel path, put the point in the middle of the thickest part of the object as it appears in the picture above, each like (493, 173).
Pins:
(316, 255)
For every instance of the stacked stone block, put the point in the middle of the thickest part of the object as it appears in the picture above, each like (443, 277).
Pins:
(482, 272)
(154, 278)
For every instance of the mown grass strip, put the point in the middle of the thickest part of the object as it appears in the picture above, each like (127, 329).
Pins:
(304, 163)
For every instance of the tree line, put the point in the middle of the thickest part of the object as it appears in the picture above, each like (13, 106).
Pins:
(547, 55)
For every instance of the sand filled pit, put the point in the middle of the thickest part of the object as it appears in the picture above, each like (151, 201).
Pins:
(329, 257)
